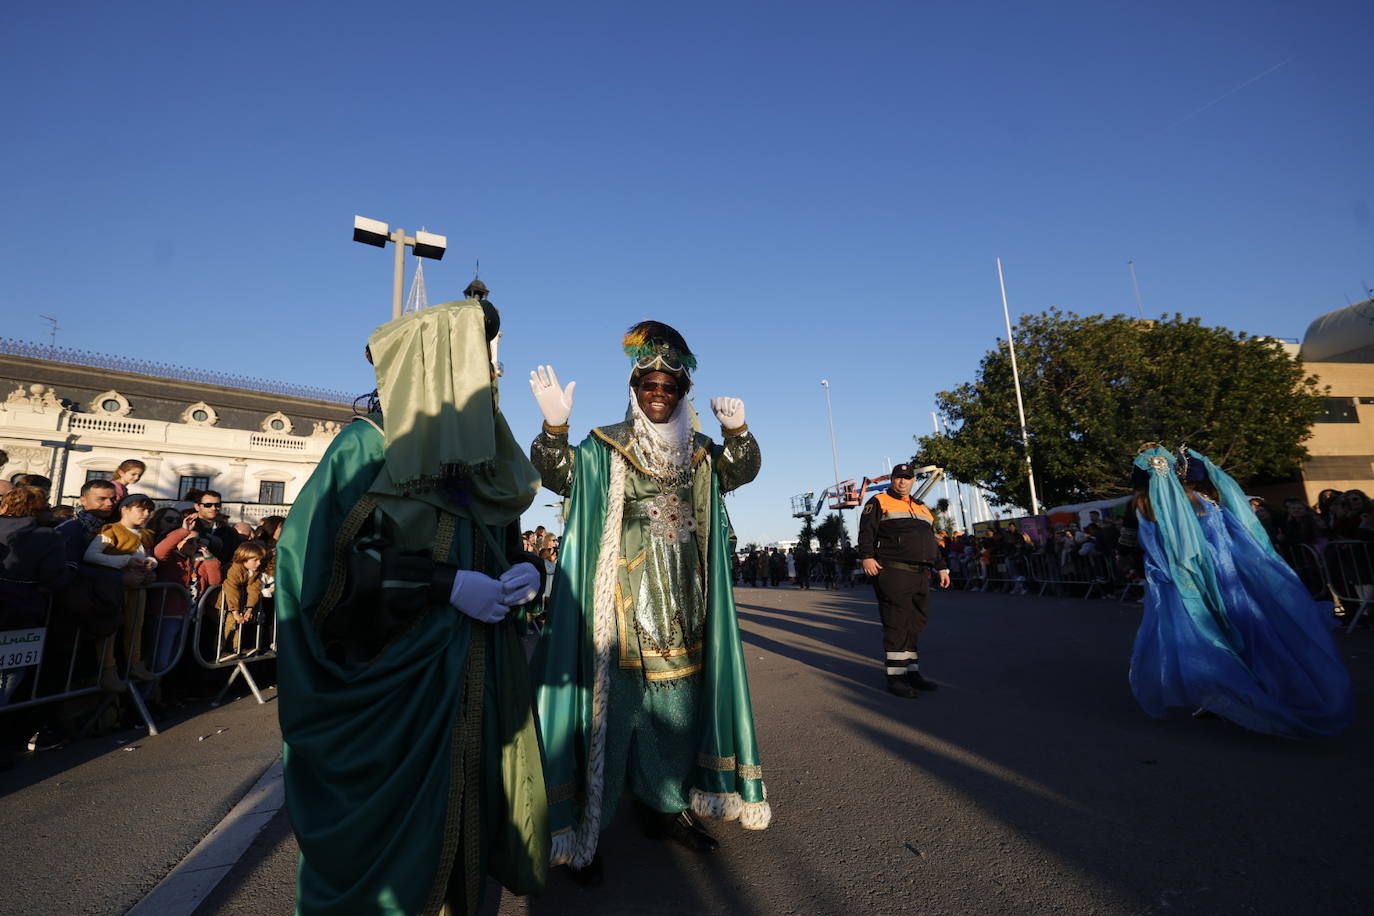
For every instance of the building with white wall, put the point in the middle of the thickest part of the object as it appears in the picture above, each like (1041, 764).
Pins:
(73, 415)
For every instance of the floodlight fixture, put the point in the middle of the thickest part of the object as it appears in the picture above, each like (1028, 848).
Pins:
(429, 245)
(371, 231)
(426, 245)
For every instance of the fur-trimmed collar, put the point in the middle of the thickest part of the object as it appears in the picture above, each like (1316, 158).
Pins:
(621, 437)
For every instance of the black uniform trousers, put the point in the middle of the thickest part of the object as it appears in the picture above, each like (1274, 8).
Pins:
(903, 596)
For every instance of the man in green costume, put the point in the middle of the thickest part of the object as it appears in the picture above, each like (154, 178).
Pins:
(411, 754)
(640, 670)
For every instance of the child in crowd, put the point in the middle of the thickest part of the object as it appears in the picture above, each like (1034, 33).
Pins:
(267, 532)
(241, 595)
(118, 545)
(184, 560)
(129, 472)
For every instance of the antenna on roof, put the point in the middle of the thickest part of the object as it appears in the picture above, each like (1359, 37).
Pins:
(52, 333)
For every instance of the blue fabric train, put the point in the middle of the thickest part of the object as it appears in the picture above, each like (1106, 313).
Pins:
(1227, 625)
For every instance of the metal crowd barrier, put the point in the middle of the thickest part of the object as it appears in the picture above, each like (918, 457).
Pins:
(24, 653)
(1094, 573)
(1341, 570)
(1000, 572)
(209, 608)
(961, 572)
(1308, 563)
(1349, 576)
(1044, 571)
(973, 577)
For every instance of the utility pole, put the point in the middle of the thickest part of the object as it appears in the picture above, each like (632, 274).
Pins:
(1135, 284)
(1016, 379)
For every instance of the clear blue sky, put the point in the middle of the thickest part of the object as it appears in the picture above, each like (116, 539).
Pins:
(805, 189)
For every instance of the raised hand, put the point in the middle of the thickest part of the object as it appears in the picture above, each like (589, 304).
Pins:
(729, 411)
(554, 402)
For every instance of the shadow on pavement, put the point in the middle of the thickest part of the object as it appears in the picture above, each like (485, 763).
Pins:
(1035, 726)
(32, 767)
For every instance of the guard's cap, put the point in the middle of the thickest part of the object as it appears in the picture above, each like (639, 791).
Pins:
(903, 470)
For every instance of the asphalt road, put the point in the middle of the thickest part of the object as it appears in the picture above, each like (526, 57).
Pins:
(94, 825)
(1029, 783)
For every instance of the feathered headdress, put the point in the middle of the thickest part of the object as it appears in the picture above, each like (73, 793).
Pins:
(655, 347)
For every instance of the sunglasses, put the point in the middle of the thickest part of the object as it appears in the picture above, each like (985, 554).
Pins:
(665, 387)
(212, 505)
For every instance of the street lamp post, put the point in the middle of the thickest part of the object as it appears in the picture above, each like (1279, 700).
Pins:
(834, 451)
(61, 449)
(377, 233)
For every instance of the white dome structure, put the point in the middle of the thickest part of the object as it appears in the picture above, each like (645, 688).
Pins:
(1343, 336)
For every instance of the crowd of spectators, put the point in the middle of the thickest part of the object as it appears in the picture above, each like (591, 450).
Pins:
(770, 567)
(1338, 516)
(543, 544)
(1008, 559)
(83, 572)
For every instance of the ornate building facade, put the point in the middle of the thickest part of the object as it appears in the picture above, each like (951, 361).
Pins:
(73, 415)
(1339, 349)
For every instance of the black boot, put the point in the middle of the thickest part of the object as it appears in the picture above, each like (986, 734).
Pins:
(591, 876)
(897, 683)
(685, 829)
(918, 680)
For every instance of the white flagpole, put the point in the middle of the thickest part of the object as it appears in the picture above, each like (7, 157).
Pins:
(1016, 377)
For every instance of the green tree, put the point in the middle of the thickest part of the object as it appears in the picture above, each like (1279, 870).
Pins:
(1097, 387)
(832, 532)
(943, 522)
(807, 533)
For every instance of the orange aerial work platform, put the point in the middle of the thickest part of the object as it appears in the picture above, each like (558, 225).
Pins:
(849, 495)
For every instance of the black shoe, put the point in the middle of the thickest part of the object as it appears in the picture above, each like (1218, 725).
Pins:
(918, 680)
(591, 876)
(652, 823)
(46, 739)
(684, 828)
(897, 683)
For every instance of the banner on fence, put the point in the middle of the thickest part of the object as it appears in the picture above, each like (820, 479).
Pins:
(21, 648)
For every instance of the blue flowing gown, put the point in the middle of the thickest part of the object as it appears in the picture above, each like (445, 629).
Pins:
(1264, 659)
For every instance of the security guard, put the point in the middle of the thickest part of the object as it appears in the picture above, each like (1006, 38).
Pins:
(897, 546)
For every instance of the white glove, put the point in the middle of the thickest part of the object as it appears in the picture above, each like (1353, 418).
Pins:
(729, 411)
(519, 584)
(554, 402)
(477, 595)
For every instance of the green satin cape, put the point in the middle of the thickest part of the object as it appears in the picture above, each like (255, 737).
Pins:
(727, 771)
(378, 756)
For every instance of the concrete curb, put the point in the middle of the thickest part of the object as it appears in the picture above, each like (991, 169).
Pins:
(187, 886)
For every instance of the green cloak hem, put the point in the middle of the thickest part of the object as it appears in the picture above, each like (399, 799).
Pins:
(410, 773)
(727, 780)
